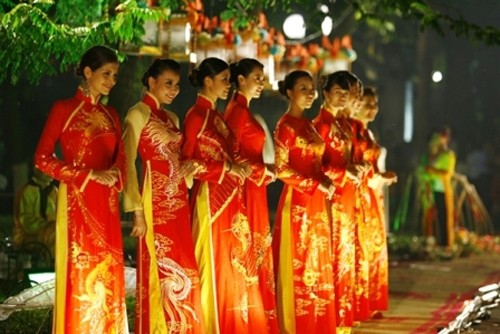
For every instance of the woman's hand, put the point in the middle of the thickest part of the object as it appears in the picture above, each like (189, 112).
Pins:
(241, 171)
(389, 177)
(189, 167)
(271, 172)
(375, 181)
(354, 173)
(105, 177)
(326, 187)
(139, 228)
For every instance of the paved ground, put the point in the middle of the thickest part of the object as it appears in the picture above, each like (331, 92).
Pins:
(427, 296)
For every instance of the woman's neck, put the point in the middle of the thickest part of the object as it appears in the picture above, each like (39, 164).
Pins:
(345, 112)
(332, 110)
(94, 98)
(295, 111)
(154, 98)
(212, 98)
(248, 98)
(363, 121)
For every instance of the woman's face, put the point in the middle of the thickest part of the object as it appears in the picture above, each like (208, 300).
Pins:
(102, 80)
(165, 87)
(354, 101)
(369, 108)
(336, 97)
(303, 93)
(220, 85)
(252, 85)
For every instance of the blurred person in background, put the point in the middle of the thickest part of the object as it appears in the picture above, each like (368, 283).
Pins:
(435, 171)
(35, 212)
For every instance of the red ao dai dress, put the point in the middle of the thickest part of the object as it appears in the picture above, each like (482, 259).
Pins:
(302, 242)
(168, 289)
(378, 256)
(363, 236)
(337, 134)
(223, 239)
(90, 281)
(250, 137)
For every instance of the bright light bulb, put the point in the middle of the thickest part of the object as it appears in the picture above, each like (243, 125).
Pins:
(437, 76)
(327, 25)
(294, 26)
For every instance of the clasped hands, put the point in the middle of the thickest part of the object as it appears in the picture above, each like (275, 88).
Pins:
(107, 177)
(326, 187)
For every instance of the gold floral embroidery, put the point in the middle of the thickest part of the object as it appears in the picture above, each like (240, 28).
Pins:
(243, 307)
(97, 288)
(221, 126)
(176, 285)
(240, 255)
(261, 242)
(210, 152)
(301, 305)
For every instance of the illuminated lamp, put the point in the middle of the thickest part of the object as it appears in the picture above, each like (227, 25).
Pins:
(176, 37)
(294, 26)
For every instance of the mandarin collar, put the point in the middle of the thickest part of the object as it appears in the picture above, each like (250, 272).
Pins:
(326, 114)
(205, 102)
(299, 119)
(151, 101)
(87, 99)
(240, 98)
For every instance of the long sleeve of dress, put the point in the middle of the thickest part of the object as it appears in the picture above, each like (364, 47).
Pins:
(334, 169)
(120, 161)
(135, 121)
(197, 146)
(45, 158)
(285, 141)
(242, 126)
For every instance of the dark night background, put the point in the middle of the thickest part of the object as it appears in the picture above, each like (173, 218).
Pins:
(467, 99)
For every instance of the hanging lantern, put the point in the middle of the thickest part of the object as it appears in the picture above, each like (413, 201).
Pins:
(151, 39)
(176, 37)
(341, 55)
(331, 65)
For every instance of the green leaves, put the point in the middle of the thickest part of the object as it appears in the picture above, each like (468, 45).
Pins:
(43, 37)
(127, 25)
(377, 13)
(36, 39)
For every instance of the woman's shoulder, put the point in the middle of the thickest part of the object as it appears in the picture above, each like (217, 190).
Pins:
(67, 105)
(198, 112)
(139, 110)
(173, 116)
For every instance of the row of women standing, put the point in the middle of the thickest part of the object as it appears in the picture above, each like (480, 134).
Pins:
(318, 273)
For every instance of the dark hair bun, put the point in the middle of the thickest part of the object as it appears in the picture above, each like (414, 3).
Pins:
(233, 68)
(96, 57)
(193, 77)
(281, 88)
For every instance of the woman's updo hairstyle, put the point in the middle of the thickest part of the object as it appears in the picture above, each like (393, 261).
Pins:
(339, 78)
(159, 66)
(95, 58)
(290, 79)
(370, 91)
(243, 67)
(209, 67)
(354, 81)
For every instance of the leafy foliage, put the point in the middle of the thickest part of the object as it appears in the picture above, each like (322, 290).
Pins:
(36, 43)
(43, 37)
(382, 13)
